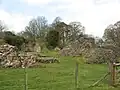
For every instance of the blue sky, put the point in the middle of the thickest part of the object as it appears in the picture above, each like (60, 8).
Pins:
(95, 15)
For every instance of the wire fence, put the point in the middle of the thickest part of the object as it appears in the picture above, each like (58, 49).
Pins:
(24, 82)
(15, 83)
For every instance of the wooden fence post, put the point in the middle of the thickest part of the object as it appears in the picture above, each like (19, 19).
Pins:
(76, 76)
(112, 70)
(25, 79)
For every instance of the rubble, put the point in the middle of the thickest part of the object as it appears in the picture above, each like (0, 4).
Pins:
(47, 60)
(77, 48)
(11, 58)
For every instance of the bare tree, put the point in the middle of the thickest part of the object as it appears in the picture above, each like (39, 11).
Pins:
(112, 34)
(112, 40)
(36, 27)
(3, 27)
(76, 29)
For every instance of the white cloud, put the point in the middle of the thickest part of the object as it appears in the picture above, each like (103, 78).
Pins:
(36, 2)
(15, 22)
(94, 16)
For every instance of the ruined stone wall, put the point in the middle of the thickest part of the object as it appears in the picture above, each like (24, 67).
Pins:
(10, 57)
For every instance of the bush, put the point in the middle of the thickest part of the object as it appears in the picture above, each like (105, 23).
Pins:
(2, 41)
(14, 40)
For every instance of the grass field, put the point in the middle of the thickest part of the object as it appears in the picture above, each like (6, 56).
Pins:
(55, 77)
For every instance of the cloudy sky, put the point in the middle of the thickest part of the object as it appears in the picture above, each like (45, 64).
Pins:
(95, 15)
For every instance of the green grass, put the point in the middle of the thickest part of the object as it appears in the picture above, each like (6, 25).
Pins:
(55, 77)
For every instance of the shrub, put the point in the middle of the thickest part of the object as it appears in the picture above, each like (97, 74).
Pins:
(2, 41)
(13, 39)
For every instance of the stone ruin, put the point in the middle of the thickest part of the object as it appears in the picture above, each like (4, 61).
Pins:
(104, 53)
(47, 59)
(10, 57)
(78, 47)
(92, 53)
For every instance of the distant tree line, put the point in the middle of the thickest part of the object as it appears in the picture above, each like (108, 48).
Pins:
(57, 34)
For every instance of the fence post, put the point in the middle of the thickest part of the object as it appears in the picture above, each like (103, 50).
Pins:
(25, 81)
(76, 76)
(112, 70)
